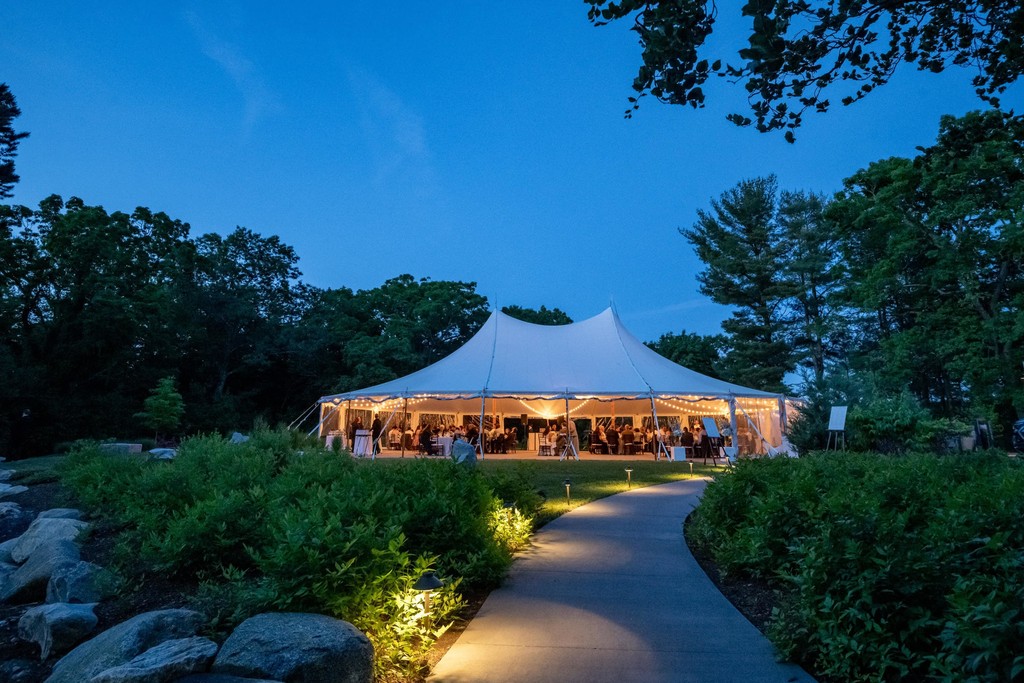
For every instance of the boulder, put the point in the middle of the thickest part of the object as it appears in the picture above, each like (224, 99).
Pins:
(13, 520)
(11, 490)
(46, 531)
(162, 453)
(124, 642)
(80, 582)
(28, 582)
(60, 513)
(56, 628)
(121, 447)
(165, 662)
(238, 437)
(221, 678)
(5, 475)
(21, 671)
(311, 648)
(6, 547)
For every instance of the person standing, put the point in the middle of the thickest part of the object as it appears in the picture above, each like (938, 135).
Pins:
(376, 429)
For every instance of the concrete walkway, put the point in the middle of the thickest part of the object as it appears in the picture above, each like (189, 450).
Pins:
(610, 592)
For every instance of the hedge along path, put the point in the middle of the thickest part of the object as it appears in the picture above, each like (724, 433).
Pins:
(610, 592)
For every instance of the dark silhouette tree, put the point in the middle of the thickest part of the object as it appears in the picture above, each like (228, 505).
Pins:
(799, 49)
(8, 140)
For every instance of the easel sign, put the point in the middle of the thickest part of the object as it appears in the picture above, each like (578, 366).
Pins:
(836, 428)
(837, 420)
(711, 428)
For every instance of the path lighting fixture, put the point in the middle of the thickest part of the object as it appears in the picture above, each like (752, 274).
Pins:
(691, 469)
(629, 477)
(426, 583)
(567, 483)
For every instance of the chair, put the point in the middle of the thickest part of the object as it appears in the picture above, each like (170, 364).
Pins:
(545, 448)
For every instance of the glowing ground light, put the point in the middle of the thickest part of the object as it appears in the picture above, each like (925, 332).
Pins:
(629, 477)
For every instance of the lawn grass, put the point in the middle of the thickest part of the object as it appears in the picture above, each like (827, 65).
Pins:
(590, 479)
(594, 479)
(43, 462)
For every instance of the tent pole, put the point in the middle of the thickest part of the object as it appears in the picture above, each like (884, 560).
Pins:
(783, 418)
(348, 425)
(319, 424)
(658, 446)
(570, 445)
(480, 438)
(375, 444)
(732, 425)
(405, 418)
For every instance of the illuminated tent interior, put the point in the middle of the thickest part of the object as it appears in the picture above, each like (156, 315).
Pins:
(514, 373)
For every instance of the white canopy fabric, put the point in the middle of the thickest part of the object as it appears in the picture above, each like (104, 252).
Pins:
(596, 358)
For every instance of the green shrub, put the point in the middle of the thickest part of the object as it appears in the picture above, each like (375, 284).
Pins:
(280, 523)
(893, 568)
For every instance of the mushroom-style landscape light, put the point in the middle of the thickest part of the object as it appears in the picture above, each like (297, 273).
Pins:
(426, 583)
(691, 469)
(629, 477)
(567, 484)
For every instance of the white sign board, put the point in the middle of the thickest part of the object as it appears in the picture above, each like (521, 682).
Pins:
(837, 420)
(710, 427)
(363, 443)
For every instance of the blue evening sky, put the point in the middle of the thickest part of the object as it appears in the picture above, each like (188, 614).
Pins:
(473, 141)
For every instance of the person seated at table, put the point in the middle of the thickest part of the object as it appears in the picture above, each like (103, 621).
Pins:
(426, 441)
(598, 441)
(409, 438)
(686, 438)
(626, 438)
(395, 437)
(511, 439)
(472, 434)
(649, 440)
(612, 436)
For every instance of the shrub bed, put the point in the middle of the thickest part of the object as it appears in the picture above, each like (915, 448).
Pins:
(278, 523)
(907, 568)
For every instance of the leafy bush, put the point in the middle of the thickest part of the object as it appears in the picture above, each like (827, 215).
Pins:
(893, 568)
(279, 523)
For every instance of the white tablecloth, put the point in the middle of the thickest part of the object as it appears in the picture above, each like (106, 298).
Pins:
(445, 444)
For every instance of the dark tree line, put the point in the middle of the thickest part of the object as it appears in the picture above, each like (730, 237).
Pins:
(96, 308)
(910, 279)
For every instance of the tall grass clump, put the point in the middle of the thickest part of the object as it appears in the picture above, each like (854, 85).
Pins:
(281, 524)
(891, 569)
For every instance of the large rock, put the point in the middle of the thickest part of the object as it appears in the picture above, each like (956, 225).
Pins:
(46, 531)
(311, 648)
(56, 628)
(80, 582)
(60, 513)
(13, 520)
(11, 489)
(221, 678)
(5, 475)
(165, 662)
(28, 582)
(6, 547)
(21, 671)
(122, 643)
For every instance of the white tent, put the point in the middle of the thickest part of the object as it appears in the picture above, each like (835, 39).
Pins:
(591, 369)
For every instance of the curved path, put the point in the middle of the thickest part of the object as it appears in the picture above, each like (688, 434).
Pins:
(610, 592)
